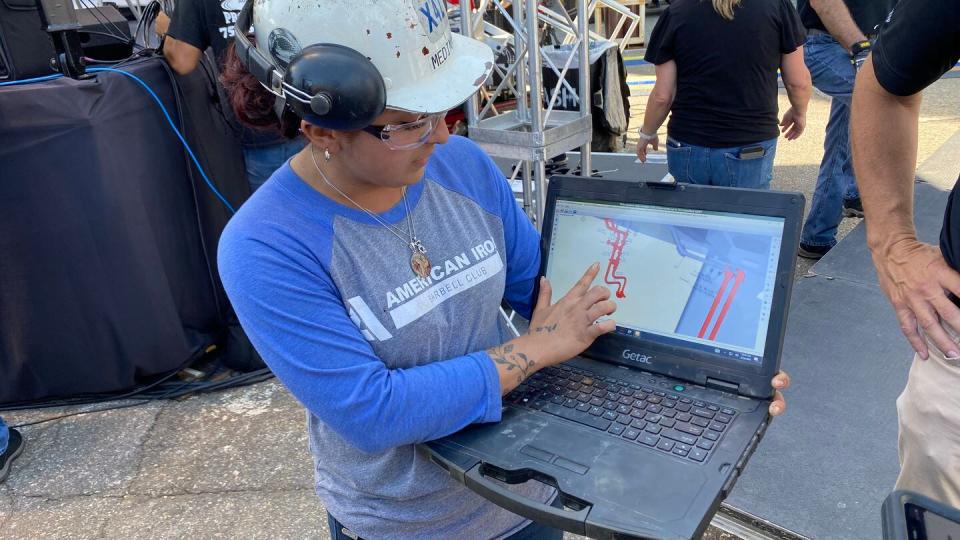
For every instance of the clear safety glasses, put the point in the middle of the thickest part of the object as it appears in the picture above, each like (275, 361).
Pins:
(408, 135)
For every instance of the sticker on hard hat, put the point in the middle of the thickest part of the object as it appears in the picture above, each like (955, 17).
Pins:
(442, 54)
(433, 18)
(283, 46)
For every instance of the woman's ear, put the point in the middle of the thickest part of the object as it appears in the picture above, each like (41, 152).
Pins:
(322, 137)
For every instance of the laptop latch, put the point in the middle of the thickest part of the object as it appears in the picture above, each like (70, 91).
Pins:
(662, 185)
(718, 384)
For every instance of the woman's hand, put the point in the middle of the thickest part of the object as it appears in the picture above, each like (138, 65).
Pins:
(567, 328)
(558, 332)
(781, 381)
(642, 146)
(793, 124)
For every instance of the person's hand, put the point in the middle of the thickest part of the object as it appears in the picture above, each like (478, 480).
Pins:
(162, 24)
(642, 146)
(565, 329)
(780, 381)
(917, 280)
(793, 124)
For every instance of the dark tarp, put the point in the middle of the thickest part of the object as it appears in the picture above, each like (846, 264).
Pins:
(108, 244)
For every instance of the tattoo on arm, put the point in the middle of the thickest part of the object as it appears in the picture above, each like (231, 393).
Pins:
(513, 360)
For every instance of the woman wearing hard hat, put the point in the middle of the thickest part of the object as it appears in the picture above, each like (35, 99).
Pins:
(369, 270)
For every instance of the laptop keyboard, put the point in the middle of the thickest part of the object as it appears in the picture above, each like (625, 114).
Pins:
(678, 425)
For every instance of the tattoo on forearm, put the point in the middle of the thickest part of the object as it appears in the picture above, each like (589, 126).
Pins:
(513, 360)
(547, 329)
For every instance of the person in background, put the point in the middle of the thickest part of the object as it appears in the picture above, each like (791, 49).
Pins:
(196, 25)
(11, 446)
(716, 65)
(919, 44)
(839, 33)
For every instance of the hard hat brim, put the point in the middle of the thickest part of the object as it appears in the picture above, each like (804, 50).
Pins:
(450, 85)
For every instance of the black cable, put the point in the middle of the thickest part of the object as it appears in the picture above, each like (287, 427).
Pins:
(148, 18)
(122, 39)
(101, 17)
(179, 390)
(78, 413)
(99, 398)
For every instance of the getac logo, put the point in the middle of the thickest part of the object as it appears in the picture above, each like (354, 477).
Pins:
(637, 357)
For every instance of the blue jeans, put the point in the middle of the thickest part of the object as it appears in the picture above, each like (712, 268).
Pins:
(832, 74)
(261, 161)
(4, 436)
(533, 531)
(721, 166)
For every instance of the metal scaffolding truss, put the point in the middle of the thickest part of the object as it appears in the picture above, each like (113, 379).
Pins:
(534, 131)
(626, 18)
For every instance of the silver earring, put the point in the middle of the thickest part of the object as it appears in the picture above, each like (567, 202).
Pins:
(326, 155)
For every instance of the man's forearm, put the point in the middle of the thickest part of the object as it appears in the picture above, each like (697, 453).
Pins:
(836, 17)
(799, 96)
(884, 141)
(181, 56)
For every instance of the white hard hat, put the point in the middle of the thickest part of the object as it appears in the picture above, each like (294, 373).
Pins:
(425, 68)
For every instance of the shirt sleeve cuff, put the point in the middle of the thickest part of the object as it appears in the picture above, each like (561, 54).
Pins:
(491, 378)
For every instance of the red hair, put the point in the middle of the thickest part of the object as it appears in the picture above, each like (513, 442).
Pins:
(251, 102)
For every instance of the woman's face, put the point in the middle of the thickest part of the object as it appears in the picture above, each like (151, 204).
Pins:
(369, 160)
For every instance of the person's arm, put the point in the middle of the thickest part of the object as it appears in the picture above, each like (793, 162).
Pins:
(913, 274)
(796, 80)
(184, 34)
(920, 43)
(658, 107)
(836, 17)
(162, 24)
(558, 332)
(182, 57)
(522, 254)
(295, 317)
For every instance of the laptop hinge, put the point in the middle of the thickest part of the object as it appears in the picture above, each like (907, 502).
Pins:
(718, 384)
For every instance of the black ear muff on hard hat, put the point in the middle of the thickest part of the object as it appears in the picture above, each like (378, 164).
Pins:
(328, 85)
(338, 87)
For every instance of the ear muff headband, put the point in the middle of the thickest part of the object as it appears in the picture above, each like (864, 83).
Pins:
(328, 85)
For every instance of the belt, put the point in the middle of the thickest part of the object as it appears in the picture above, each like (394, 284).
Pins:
(818, 32)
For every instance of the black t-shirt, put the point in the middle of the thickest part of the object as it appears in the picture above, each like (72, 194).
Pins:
(210, 23)
(205, 23)
(868, 14)
(919, 44)
(726, 70)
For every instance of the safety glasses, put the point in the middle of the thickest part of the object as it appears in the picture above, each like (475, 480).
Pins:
(407, 135)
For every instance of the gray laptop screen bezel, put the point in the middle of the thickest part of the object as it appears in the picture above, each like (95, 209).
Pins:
(693, 365)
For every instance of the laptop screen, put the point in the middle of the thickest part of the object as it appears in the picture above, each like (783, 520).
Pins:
(686, 278)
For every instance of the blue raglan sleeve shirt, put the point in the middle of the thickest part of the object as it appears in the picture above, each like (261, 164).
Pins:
(294, 315)
(523, 247)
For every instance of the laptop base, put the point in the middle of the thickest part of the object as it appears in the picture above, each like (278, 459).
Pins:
(610, 487)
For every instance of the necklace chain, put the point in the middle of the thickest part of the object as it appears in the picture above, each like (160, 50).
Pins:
(413, 242)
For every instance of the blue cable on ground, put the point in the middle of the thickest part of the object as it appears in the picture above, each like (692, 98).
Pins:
(163, 109)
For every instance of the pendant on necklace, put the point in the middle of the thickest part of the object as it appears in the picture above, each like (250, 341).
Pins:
(418, 259)
(420, 264)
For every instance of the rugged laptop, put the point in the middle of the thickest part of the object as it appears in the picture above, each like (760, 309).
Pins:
(647, 431)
